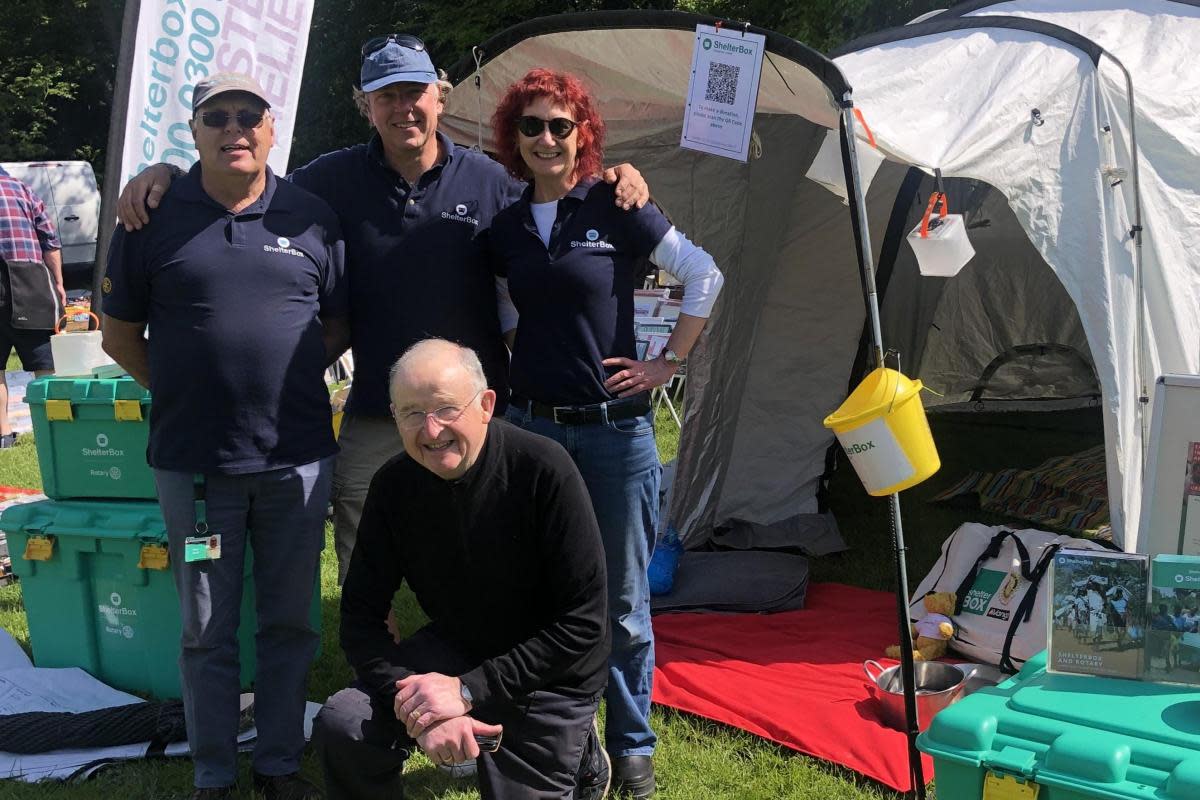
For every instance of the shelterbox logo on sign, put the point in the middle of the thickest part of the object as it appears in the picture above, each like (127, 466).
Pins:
(725, 47)
(982, 592)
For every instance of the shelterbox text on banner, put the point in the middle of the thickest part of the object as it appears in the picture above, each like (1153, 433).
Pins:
(180, 42)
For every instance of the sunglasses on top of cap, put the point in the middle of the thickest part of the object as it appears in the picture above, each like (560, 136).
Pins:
(376, 43)
(245, 119)
(560, 127)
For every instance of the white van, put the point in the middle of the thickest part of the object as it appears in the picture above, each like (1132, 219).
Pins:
(68, 188)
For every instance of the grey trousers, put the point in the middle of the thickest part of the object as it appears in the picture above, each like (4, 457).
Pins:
(281, 514)
(362, 746)
(366, 445)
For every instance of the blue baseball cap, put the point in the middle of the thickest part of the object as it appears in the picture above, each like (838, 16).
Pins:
(399, 59)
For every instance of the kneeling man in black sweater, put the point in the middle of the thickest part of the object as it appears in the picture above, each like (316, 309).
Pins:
(493, 530)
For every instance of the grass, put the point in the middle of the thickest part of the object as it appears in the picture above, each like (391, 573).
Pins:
(696, 757)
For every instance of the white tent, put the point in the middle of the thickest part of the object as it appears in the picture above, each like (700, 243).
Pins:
(1069, 181)
(955, 94)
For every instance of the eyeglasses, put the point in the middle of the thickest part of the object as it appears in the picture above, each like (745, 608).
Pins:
(560, 127)
(376, 43)
(245, 119)
(445, 415)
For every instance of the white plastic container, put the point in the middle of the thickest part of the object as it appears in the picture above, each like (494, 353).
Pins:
(77, 353)
(826, 167)
(940, 243)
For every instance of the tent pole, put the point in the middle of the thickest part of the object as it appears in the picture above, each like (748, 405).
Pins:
(867, 274)
(114, 149)
(1136, 232)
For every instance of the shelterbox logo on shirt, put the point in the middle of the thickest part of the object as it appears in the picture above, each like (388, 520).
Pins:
(593, 241)
(461, 213)
(285, 246)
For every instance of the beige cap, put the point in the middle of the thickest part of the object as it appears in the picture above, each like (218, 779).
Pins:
(223, 82)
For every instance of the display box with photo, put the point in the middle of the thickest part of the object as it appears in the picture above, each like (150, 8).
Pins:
(1173, 638)
(1098, 622)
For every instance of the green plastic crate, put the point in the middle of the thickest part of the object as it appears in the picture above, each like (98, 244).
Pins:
(91, 436)
(1068, 737)
(90, 605)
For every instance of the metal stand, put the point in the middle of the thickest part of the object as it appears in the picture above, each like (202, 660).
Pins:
(867, 275)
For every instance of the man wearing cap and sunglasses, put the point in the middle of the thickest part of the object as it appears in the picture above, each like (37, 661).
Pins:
(415, 209)
(240, 283)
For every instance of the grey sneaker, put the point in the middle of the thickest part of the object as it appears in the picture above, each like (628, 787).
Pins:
(595, 768)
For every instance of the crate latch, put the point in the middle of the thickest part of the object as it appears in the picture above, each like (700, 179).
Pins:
(154, 556)
(59, 411)
(127, 410)
(39, 548)
(1006, 787)
(1010, 775)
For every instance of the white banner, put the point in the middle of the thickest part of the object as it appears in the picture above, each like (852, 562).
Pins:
(181, 42)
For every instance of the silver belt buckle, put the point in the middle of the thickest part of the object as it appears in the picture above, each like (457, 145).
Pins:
(556, 409)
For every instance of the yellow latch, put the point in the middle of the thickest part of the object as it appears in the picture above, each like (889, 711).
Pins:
(39, 548)
(59, 410)
(154, 556)
(127, 410)
(1006, 787)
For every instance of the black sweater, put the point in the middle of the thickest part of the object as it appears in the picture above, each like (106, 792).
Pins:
(506, 561)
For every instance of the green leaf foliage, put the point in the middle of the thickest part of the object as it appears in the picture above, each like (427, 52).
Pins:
(57, 65)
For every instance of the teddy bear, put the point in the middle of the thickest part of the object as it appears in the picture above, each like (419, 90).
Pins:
(932, 632)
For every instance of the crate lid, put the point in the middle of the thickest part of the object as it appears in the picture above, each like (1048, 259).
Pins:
(85, 390)
(97, 519)
(1101, 737)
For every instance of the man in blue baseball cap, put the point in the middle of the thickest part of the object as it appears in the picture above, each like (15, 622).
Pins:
(413, 207)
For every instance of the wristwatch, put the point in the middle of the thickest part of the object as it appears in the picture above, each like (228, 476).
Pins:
(465, 693)
(671, 357)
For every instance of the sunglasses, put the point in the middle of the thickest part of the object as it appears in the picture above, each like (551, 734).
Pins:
(245, 119)
(376, 43)
(560, 127)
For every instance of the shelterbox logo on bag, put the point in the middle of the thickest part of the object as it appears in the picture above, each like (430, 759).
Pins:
(981, 593)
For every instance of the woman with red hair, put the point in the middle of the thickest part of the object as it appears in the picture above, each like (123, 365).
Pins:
(571, 260)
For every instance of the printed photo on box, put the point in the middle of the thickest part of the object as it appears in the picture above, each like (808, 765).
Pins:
(1098, 618)
(1173, 638)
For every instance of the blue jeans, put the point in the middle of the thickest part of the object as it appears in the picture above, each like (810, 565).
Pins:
(619, 463)
(281, 515)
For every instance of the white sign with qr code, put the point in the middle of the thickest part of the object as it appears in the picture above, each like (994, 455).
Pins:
(719, 117)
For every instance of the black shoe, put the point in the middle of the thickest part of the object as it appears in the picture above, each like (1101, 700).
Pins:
(285, 787)
(219, 793)
(595, 769)
(633, 776)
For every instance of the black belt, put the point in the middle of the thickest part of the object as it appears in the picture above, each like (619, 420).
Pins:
(625, 408)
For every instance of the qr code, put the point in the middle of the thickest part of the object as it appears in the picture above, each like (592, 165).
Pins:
(722, 83)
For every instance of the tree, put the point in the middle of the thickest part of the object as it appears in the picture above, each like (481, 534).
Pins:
(57, 64)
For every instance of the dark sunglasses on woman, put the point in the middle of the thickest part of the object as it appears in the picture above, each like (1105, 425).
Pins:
(379, 42)
(560, 127)
(245, 119)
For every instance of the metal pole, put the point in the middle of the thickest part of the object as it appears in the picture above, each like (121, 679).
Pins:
(867, 271)
(115, 146)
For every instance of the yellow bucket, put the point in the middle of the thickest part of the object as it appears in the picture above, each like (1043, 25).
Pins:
(883, 429)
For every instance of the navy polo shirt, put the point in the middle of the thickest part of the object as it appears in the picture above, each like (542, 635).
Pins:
(575, 297)
(417, 258)
(232, 300)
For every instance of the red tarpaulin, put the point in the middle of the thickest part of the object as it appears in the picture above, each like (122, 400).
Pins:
(795, 677)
